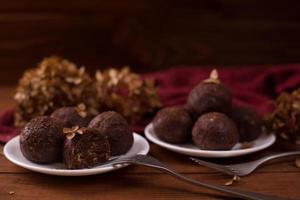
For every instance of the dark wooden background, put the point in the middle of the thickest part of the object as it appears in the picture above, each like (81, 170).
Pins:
(147, 34)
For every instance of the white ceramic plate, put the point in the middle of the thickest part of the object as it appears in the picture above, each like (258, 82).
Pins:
(13, 153)
(259, 144)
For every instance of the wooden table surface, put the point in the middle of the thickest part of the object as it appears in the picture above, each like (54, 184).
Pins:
(136, 182)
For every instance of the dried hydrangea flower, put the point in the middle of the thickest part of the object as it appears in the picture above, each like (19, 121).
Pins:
(127, 93)
(285, 119)
(54, 83)
(71, 132)
(57, 82)
(81, 110)
(213, 77)
(233, 180)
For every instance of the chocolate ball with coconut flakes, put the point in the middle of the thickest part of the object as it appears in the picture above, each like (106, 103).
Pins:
(249, 123)
(215, 131)
(115, 126)
(209, 97)
(41, 140)
(86, 150)
(70, 117)
(173, 124)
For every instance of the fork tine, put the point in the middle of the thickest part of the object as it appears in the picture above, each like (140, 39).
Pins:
(116, 160)
(240, 171)
(234, 171)
(222, 168)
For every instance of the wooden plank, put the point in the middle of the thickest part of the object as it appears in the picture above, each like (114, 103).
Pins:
(138, 186)
(148, 35)
(84, 41)
(74, 6)
(233, 8)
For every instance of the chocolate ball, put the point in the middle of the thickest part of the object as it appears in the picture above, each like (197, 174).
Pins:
(215, 131)
(209, 97)
(70, 117)
(41, 140)
(86, 149)
(116, 128)
(248, 122)
(173, 124)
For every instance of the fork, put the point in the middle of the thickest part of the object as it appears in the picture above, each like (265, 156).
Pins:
(243, 169)
(154, 163)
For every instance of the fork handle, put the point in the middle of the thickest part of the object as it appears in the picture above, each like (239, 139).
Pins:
(280, 155)
(233, 192)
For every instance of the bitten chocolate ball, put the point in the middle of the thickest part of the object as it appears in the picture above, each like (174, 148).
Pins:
(42, 139)
(209, 97)
(85, 149)
(215, 131)
(117, 130)
(173, 124)
(249, 123)
(69, 116)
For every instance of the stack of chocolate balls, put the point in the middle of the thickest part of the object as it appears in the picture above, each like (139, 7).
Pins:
(208, 119)
(77, 141)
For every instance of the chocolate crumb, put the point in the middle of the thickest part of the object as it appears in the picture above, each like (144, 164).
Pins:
(246, 145)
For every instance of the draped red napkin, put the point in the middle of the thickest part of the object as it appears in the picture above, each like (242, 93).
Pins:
(250, 86)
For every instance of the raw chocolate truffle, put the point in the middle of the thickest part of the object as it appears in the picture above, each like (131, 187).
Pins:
(87, 148)
(117, 130)
(215, 131)
(70, 117)
(42, 139)
(209, 97)
(173, 124)
(248, 123)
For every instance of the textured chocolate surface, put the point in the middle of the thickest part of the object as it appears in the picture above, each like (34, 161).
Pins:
(173, 124)
(70, 117)
(86, 150)
(116, 128)
(41, 140)
(215, 131)
(249, 123)
(209, 97)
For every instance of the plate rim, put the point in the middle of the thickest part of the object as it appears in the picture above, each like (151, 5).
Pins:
(73, 172)
(206, 153)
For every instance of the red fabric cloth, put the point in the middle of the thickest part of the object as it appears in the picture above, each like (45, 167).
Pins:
(7, 129)
(250, 86)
